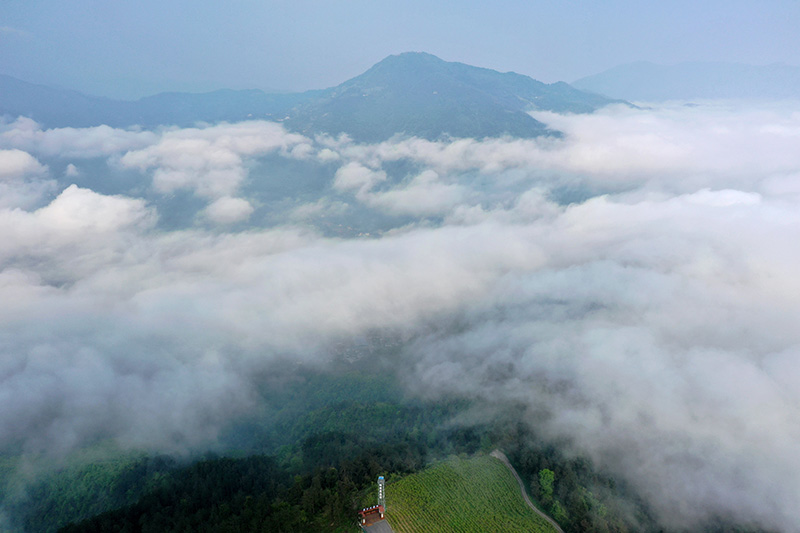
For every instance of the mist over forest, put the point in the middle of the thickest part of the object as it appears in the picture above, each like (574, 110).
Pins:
(628, 284)
(534, 263)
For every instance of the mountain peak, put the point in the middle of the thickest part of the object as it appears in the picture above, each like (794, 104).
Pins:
(419, 94)
(419, 63)
(412, 56)
(409, 64)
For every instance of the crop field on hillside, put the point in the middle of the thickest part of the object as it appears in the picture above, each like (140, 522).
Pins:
(477, 495)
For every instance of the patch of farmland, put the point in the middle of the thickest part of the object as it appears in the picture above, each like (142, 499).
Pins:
(476, 495)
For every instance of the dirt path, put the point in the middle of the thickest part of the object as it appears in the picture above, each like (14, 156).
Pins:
(379, 527)
(500, 455)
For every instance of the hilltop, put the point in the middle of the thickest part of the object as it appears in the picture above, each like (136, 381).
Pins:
(420, 94)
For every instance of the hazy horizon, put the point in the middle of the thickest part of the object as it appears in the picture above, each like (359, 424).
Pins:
(133, 50)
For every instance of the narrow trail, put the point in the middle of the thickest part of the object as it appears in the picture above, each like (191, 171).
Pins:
(500, 455)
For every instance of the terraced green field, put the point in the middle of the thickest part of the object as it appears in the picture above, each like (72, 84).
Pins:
(477, 495)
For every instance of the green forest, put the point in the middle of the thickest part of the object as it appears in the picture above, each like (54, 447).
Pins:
(308, 462)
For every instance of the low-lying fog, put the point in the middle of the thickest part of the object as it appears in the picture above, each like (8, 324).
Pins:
(637, 278)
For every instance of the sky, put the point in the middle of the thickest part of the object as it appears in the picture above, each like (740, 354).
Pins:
(132, 49)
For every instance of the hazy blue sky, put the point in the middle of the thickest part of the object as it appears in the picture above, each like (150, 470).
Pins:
(129, 48)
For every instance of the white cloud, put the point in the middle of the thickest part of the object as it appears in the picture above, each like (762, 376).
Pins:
(227, 210)
(356, 177)
(708, 143)
(656, 319)
(672, 148)
(24, 194)
(424, 195)
(71, 171)
(98, 141)
(79, 210)
(657, 325)
(319, 209)
(211, 160)
(327, 155)
(15, 164)
(23, 179)
(67, 239)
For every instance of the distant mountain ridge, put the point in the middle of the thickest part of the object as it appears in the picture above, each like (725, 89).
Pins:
(54, 107)
(644, 81)
(413, 93)
(419, 94)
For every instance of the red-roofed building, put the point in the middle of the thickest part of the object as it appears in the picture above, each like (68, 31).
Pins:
(370, 515)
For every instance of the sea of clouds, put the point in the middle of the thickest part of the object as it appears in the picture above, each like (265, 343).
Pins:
(654, 317)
